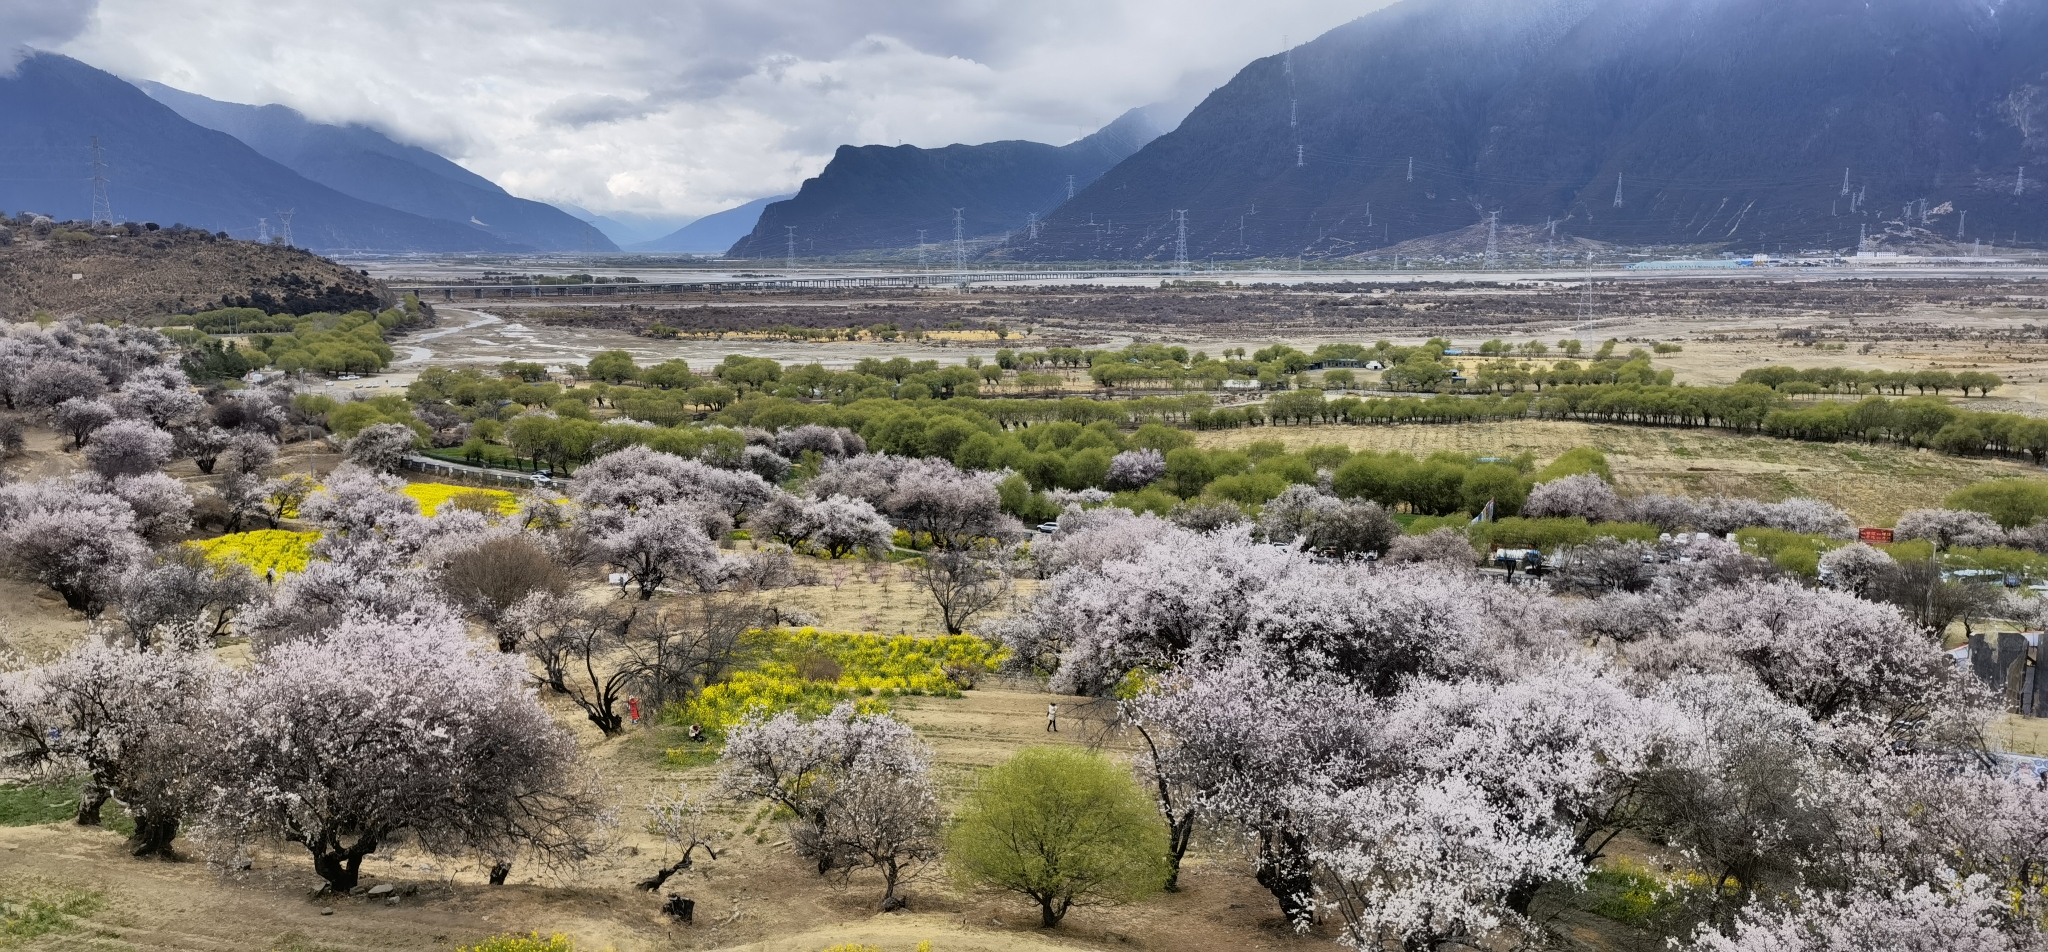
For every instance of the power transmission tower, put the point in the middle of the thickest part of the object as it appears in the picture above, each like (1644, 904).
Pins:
(1031, 224)
(789, 255)
(1070, 188)
(1411, 168)
(263, 229)
(1862, 238)
(1297, 155)
(1845, 183)
(1180, 243)
(959, 242)
(102, 209)
(921, 266)
(1492, 239)
(1961, 221)
(1617, 189)
(2020, 184)
(284, 224)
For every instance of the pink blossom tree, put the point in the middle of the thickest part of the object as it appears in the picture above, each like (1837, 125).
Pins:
(385, 734)
(134, 722)
(1585, 496)
(1135, 469)
(128, 448)
(380, 447)
(858, 786)
(1947, 528)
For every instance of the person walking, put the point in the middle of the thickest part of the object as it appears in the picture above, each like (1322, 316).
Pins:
(633, 710)
(1052, 717)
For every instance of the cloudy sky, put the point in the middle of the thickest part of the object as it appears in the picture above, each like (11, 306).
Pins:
(679, 108)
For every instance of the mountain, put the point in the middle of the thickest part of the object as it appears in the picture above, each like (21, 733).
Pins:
(164, 168)
(713, 233)
(361, 162)
(626, 228)
(1703, 122)
(876, 196)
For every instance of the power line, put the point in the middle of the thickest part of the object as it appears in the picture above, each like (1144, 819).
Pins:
(1180, 244)
(102, 209)
(959, 242)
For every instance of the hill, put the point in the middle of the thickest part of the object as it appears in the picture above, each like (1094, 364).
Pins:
(164, 168)
(120, 276)
(713, 233)
(359, 161)
(874, 196)
(1636, 122)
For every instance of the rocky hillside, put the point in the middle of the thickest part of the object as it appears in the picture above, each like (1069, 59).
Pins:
(1636, 122)
(67, 271)
(872, 197)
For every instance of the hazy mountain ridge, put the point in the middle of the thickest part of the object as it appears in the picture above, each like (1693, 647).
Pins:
(713, 233)
(1726, 121)
(167, 169)
(876, 196)
(361, 162)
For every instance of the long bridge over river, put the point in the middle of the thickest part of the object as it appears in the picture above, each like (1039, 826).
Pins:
(917, 279)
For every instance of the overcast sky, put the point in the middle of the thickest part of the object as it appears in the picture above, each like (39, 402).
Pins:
(679, 108)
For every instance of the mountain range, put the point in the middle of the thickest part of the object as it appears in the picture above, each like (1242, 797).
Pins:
(161, 167)
(363, 163)
(713, 233)
(881, 197)
(1753, 124)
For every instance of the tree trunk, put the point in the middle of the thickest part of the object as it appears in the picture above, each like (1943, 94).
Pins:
(890, 872)
(498, 873)
(1284, 871)
(1178, 837)
(1047, 916)
(90, 800)
(340, 866)
(153, 836)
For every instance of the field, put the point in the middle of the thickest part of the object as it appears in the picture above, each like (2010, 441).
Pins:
(64, 887)
(1872, 482)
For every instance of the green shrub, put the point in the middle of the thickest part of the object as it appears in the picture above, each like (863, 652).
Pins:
(1062, 826)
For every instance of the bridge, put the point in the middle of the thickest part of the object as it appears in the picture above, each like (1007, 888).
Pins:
(451, 292)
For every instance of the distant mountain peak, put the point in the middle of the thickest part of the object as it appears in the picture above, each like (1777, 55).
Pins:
(362, 162)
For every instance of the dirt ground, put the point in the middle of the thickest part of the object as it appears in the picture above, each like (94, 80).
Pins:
(1873, 482)
(755, 896)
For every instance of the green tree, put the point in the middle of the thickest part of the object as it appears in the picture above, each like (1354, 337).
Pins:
(1062, 826)
(613, 366)
(2014, 503)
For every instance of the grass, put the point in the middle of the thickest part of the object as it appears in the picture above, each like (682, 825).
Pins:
(1873, 482)
(36, 804)
(55, 801)
(31, 909)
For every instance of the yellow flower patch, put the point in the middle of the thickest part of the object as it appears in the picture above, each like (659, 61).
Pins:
(261, 551)
(431, 496)
(810, 671)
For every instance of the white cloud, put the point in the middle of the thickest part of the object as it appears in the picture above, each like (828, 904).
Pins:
(39, 23)
(685, 108)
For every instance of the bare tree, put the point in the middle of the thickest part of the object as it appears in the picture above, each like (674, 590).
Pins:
(682, 821)
(489, 579)
(964, 583)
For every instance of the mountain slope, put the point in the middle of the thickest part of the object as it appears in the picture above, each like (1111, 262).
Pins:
(165, 168)
(877, 196)
(1721, 121)
(364, 163)
(712, 233)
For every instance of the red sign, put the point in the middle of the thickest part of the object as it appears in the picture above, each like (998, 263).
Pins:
(1874, 535)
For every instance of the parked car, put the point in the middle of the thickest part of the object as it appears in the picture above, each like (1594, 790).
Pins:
(1048, 527)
